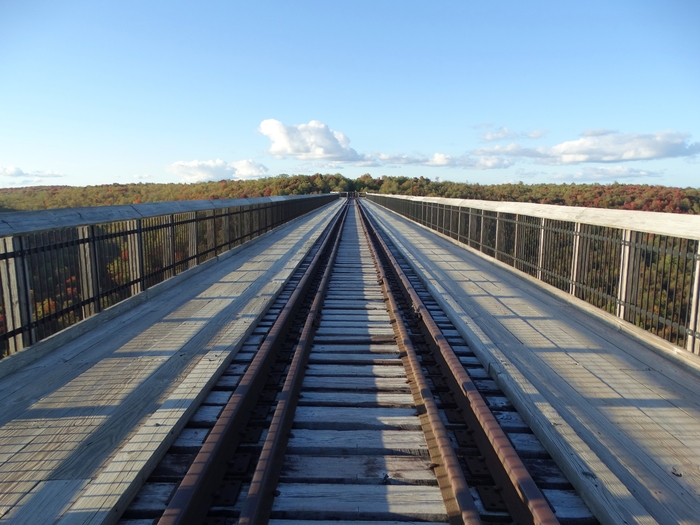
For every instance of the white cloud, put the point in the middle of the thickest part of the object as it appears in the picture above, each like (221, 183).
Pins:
(142, 177)
(607, 173)
(608, 147)
(312, 141)
(504, 133)
(248, 169)
(598, 132)
(442, 160)
(316, 141)
(13, 171)
(499, 134)
(208, 170)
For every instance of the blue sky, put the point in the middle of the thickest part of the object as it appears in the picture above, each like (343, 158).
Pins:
(488, 92)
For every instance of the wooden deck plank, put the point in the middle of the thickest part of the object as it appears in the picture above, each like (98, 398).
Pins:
(372, 442)
(377, 399)
(347, 418)
(372, 384)
(355, 370)
(318, 501)
(357, 469)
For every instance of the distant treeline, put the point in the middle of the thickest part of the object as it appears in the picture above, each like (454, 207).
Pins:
(618, 196)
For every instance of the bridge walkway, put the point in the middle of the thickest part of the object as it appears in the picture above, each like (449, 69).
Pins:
(81, 427)
(623, 415)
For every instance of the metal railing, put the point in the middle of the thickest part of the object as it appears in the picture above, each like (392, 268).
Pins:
(58, 267)
(643, 267)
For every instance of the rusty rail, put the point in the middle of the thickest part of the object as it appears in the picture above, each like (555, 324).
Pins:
(258, 504)
(514, 477)
(192, 499)
(447, 459)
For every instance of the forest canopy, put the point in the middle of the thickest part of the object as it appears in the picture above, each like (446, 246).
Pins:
(616, 196)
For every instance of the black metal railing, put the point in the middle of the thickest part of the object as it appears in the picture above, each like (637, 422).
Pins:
(648, 277)
(60, 271)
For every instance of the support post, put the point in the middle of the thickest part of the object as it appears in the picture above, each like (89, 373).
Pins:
(225, 231)
(192, 233)
(481, 232)
(168, 236)
(516, 241)
(540, 254)
(499, 229)
(574, 258)
(135, 247)
(459, 224)
(17, 300)
(624, 272)
(89, 276)
(211, 233)
(692, 341)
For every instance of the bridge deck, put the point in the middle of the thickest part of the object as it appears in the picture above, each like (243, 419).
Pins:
(79, 427)
(625, 419)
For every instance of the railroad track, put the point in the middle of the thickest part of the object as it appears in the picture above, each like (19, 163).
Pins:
(356, 400)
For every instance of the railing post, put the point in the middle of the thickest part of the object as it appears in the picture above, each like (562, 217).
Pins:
(193, 241)
(225, 232)
(499, 229)
(211, 231)
(624, 272)
(16, 294)
(516, 241)
(89, 276)
(135, 247)
(168, 246)
(459, 224)
(481, 232)
(540, 254)
(574, 258)
(693, 342)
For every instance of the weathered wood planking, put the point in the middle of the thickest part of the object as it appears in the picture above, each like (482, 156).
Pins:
(560, 373)
(357, 469)
(342, 418)
(320, 501)
(112, 424)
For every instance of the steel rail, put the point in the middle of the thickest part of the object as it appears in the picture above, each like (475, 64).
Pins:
(518, 476)
(190, 502)
(463, 499)
(258, 504)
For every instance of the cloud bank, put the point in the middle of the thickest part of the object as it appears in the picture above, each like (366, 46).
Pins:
(316, 141)
(14, 176)
(603, 146)
(208, 170)
(606, 174)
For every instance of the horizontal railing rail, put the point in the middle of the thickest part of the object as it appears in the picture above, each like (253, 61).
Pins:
(58, 267)
(643, 267)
